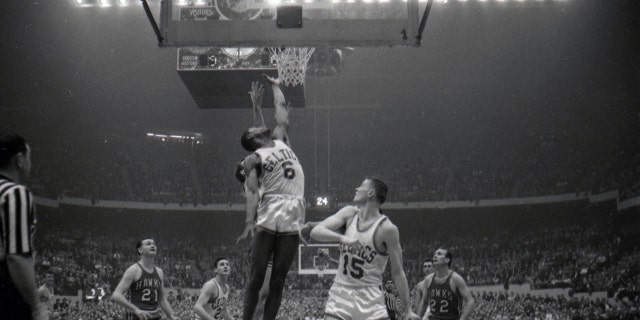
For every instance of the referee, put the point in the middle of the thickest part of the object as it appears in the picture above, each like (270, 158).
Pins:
(18, 289)
(391, 300)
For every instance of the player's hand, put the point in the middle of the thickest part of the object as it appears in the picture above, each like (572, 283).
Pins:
(305, 233)
(256, 93)
(145, 315)
(249, 230)
(141, 314)
(353, 243)
(273, 81)
(239, 173)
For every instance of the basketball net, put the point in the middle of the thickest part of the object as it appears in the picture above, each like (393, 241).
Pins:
(291, 64)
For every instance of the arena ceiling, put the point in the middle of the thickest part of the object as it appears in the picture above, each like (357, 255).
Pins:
(566, 69)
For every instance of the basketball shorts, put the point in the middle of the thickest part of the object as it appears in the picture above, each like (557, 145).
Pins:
(155, 315)
(356, 303)
(281, 213)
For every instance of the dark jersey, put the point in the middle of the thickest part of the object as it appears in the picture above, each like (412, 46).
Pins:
(444, 303)
(17, 225)
(391, 302)
(145, 292)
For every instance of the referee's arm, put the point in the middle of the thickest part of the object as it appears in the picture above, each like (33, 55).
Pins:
(18, 231)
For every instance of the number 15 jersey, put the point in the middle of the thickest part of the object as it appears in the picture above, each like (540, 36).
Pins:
(361, 266)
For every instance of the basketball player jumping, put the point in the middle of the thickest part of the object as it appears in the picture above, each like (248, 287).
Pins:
(212, 302)
(275, 206)
(145, 283)
(368, 242)
(445, 291)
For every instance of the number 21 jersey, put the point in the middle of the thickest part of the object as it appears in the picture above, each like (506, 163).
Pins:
(144, 292)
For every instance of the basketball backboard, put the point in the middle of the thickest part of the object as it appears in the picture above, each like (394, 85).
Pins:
(288, 23)
(220, 78)
(318, 259)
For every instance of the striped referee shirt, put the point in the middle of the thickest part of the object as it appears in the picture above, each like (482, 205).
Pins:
(17, 218)
(393, 304)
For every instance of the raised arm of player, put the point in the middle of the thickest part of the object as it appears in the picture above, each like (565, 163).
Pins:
(132, 273)
(417, 296)
(326, 231)
(469, 302)
(209, 289)
(391, 237)
(251, 163)
(164, 304)
(281, 113)
(256, 94)
(423, 302)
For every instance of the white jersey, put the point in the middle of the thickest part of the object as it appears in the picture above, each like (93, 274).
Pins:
(216, 305)
(281, 171)
(363, 267)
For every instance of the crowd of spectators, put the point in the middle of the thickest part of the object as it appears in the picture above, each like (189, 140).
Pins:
(544, 251)
(193, 174)
(309, 305)
(507, 306)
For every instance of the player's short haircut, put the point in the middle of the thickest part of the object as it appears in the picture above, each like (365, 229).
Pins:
(428, 260)
(10, 144)
(248, 139)
(139, 244)
(380, 188)
(448, 255)
(215, 263)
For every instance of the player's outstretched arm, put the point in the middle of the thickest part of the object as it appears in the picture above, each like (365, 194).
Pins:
(256, 94)
(164, 304)
(252, 196)
(391, 237)
(417, 296)
(326, 231)
(208, 290)
(469, 302)
(423, 303)
(281, 113)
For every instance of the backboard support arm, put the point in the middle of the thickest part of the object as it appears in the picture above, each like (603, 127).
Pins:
(423, 21)
(153, 22)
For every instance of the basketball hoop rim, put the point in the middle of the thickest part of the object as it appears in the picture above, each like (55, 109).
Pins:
(291, 63)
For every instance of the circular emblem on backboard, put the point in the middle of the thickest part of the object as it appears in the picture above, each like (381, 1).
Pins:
(238, 9)
(238, 52)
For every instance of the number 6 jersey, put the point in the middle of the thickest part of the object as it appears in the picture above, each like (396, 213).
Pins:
(282, 206)
(281, 171)
(361, 266)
